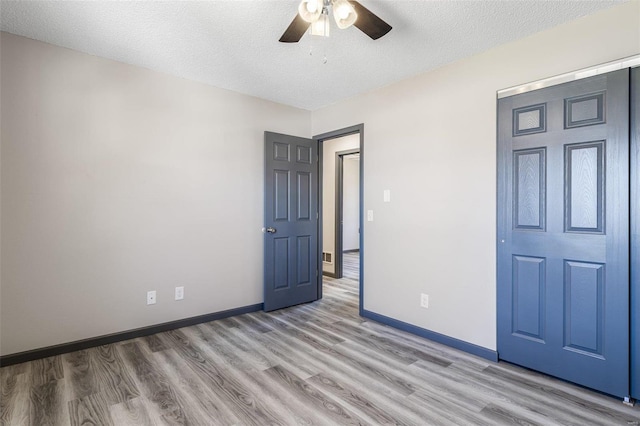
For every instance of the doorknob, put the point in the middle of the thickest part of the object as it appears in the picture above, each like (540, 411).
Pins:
(270, 230)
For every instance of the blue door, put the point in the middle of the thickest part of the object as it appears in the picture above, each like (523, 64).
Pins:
(291, 273)
(563, 231)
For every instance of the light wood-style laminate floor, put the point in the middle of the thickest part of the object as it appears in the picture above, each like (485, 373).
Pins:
(314, 364)
(351, 265)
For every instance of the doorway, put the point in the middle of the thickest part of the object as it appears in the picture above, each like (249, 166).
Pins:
(347, 224)
(347, 209)
(341, 156)
(293, 229)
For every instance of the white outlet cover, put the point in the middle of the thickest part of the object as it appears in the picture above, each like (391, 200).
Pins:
(151, 297)
(179, 293)
(370, 215)
(387, 195)
(424, 300)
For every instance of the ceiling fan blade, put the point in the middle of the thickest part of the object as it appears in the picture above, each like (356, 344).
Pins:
(368, 22)
(295, 31)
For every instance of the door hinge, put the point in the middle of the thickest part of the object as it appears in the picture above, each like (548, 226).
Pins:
(317, 215)
(317, 273)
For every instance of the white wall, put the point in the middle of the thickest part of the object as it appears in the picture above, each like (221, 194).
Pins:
(117, 180)
(431, 140)
(351, 202)
(329, 149)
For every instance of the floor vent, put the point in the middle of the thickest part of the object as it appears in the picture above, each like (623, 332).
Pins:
(327, 257)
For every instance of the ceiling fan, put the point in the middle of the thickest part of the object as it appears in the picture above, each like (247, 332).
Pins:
(315, 14)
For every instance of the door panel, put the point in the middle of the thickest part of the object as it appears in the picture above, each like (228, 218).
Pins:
(529, 168)
(583, 307)
(528, 297)
(563, 229)
(584, 180)
(291, 207)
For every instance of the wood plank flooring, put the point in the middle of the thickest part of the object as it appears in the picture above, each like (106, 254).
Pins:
(314, 364)
(351, 265)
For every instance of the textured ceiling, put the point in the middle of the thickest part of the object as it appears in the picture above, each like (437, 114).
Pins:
(233, 44)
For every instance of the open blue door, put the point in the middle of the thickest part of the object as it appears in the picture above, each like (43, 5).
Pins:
(563, 231)
(291, 273)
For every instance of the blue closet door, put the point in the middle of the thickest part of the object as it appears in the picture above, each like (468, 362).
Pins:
(563, 231)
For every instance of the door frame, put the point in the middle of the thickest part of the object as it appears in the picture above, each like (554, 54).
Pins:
(339, 214)
(634, 158)
(346, 131)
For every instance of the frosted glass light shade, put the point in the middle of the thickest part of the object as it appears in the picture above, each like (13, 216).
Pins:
(321, 26)
(310, 10)
(344, 14)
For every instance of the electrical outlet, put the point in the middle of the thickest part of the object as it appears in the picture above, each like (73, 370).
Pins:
(179, 293)
(151, 297)
(424, 300)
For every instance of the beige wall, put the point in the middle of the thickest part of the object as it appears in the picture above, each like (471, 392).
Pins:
(329, 149)
(431, 140)
(117, 180)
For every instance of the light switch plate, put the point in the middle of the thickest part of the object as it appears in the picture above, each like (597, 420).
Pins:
(370, 215)
(387, 195)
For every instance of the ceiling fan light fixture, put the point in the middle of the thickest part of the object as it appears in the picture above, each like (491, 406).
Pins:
(310, 10)
(321, 26)
(344, 14)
